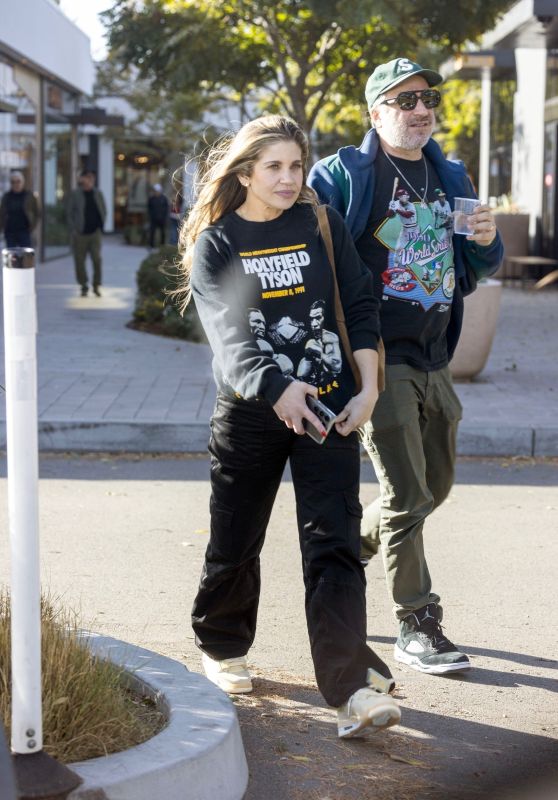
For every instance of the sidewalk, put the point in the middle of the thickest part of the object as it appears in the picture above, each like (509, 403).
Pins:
(104, 387)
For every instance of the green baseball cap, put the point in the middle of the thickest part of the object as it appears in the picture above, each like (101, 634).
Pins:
(396, 71)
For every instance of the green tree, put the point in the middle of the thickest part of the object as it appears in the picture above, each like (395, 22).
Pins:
(305, 58)
(459, 120)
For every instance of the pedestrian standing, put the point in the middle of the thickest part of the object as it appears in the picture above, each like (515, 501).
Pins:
(158, 210)
(389, 192)
(19, 212)
(86, 218)
(251, 243)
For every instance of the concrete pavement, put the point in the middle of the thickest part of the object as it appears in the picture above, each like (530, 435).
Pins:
(123, 540)
(104, 387)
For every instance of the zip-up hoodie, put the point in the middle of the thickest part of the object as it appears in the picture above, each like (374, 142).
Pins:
(347, 181)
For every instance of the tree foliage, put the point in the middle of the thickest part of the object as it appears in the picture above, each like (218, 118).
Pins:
(306, 58)
(459, 132)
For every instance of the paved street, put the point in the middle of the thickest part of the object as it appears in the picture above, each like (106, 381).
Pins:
(123, 539)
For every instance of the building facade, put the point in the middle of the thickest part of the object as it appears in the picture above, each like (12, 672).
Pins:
(46, 71)
(524, 47)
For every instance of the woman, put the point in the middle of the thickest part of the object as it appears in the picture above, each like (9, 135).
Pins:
(258, 270)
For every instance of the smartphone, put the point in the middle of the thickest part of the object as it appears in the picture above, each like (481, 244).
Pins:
(324, 414)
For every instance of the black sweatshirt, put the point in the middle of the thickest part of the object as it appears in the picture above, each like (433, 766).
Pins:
(264, 294)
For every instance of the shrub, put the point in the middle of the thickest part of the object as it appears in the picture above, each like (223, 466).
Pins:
(154, 311)
(87, 711)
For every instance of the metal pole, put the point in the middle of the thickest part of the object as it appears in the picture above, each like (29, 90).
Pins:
(20, 331)
(484, 164)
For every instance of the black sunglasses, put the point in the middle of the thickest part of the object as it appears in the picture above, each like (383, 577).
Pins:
(408, 100)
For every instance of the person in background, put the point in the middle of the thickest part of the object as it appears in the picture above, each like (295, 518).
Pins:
(397, 178)
(19, 212)
(158, 211)
(254, 225)
(86, 218)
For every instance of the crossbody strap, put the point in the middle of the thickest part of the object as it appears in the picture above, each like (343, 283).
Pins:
(325, 231)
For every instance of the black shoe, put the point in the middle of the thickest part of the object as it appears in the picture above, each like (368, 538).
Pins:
(84, 291)
(423, 646)
(96, 291)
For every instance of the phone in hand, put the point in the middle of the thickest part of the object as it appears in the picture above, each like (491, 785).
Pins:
(324, 414)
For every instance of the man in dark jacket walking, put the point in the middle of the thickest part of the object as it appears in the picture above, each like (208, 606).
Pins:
(421, 280)
(19, 212)
(158, 210)
(86, 218)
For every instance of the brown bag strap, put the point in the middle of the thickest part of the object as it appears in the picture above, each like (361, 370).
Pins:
(325, 231)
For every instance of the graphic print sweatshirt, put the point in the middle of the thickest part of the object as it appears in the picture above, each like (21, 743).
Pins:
(264, 292)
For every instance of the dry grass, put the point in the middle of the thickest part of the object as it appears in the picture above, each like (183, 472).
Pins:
(87, 712)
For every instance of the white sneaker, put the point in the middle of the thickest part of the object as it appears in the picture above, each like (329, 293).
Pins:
(230, 674)
(366, 708)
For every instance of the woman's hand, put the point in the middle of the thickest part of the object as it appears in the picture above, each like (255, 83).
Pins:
(357, 411)
(483, 224)
(291, 407)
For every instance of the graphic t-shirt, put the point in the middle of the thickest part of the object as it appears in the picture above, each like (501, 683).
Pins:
(264, 293)
(408, 246)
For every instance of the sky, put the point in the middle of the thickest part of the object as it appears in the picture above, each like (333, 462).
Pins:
(84, 14)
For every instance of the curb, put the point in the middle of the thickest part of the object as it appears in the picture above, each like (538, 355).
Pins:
(153, 437)
(199, 755)
(506, 440)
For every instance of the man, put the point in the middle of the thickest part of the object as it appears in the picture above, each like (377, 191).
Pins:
(258, 327)
(402, 207)
(411, 437)
(19, 212)
(322, 353)
(443, 216)
(158, 210)
(86, 218)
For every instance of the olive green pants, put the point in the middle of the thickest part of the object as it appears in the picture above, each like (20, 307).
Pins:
(84, 243)
(411, 440)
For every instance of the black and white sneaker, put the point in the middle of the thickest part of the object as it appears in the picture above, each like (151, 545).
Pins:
(423, 646)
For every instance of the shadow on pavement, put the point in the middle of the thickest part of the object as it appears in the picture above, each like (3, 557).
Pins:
(519, 658)
(291, 743)
(195, 466)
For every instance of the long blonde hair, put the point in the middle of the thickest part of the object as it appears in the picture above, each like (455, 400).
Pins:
(218, 190)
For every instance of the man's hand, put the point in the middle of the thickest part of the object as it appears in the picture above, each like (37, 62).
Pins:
(291, 407)
(483, 225)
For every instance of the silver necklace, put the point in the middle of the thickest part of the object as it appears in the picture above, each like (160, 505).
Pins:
(423, 203)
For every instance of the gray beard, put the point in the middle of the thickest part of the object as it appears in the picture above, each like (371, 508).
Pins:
(409, 141)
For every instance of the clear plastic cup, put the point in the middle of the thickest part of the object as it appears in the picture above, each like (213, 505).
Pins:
(463, 208)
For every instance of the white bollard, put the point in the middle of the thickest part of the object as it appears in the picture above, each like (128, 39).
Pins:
(20, 332)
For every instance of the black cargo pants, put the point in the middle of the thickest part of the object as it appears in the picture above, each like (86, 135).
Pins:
(250, 447)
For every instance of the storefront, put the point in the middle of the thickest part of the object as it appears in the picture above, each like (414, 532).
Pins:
(41, 86)
(524, 47)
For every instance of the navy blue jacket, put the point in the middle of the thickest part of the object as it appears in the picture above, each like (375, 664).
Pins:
(346, 181)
